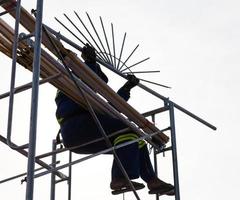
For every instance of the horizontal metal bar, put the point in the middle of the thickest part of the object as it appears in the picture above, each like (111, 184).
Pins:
(97, 154)
(38, 161)
(156, 111)
(24, 174)
(29, 85)
(61, 180)
(194, 116)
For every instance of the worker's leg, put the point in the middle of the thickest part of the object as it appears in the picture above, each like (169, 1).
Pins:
(155, 185)
(129, 157)
(146, 169)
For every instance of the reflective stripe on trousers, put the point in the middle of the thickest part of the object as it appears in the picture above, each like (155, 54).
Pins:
(128, 137)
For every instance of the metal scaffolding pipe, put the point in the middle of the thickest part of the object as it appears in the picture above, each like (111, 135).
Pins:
(174, 152)
(12, 82)
(53, 176)
(29, 85)
(34, 101)
(105, 35)
(70, 177)
(38, 161)
(113, 43)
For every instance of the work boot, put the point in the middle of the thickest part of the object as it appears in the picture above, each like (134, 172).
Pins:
(122, 185)
(157, 186)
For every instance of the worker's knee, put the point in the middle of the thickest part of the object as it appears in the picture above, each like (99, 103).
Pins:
(128, 137)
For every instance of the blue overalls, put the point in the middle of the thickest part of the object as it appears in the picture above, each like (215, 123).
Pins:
(78, 127)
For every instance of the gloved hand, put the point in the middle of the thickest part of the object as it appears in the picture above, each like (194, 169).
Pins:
(131, 83)
(124, 91)
(88, 53)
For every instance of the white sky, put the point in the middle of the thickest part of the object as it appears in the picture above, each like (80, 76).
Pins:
(195, 45)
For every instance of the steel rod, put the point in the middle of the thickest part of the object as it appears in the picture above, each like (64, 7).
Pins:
(29, 85)
(38, 161)
(22, 174)
(113, 43)
(128, 57)
(135, 64)
(139, 72)
(194, 116)
(102, 56)
(105, 35)
(69, 30)
(80, 32)
(53, 176)
(154, 83)
(70, 177)
(120, 56)
(34, 101)
(174, 152)
(155, 157)
(77, 29)
(13, 78)
(99, 39)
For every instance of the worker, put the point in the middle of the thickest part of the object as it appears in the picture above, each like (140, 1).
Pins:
(78, 127)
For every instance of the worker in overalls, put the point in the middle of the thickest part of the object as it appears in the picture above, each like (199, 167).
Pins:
(78, 127)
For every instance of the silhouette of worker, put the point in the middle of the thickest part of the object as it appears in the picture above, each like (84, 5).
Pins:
(78, 127)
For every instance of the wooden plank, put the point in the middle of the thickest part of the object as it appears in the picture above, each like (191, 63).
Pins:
(49, 66)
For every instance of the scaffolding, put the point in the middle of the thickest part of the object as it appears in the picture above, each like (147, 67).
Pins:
(26, 49)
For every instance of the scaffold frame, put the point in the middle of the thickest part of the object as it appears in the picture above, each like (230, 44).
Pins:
(57, 75)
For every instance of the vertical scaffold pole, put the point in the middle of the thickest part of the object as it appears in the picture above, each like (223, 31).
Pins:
(70, 177)
(155, 157)
(174, 151)
(53, 176)
(13, 76)
(34, 101)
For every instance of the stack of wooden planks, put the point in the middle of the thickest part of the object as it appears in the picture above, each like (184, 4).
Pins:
(98, 95)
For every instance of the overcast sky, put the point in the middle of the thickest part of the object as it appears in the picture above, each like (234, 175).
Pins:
(196, 46)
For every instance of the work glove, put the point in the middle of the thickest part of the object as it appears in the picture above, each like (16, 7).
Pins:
(124, 91)
(131, 83)
(89, 53)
